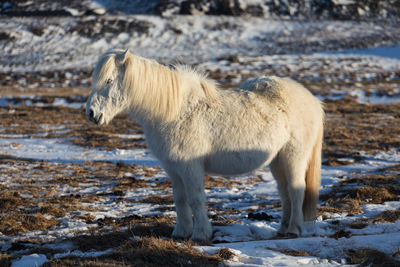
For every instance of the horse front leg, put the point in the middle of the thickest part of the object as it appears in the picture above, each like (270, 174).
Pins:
(184, 222)
(194, 185)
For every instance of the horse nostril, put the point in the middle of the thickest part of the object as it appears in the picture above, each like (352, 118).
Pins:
(91, 113)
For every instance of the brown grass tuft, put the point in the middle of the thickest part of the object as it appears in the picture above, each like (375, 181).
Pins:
(369, 194)
(145, 251)
(370, 257)
(351, 206)
(101, 242)
(5, 260)
(291, 252)
(387, 216)
(12, 224)
(225, 253)
(11, 201)
(212, 182)
(52, 210)
(160, 200)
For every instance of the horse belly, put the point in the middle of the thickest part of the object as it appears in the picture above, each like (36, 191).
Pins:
(235, 163)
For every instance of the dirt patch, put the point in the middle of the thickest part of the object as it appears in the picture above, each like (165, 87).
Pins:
(260, 216)
(340, 234)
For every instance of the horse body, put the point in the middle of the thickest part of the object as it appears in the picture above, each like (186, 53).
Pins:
(226, 136)
(268, 120)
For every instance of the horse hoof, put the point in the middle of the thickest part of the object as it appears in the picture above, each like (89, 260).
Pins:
(181, 235)
(291, 235)
(179, 238)
(201, 242)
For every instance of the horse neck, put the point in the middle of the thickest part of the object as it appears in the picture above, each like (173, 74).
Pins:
(159, 94)
(155, 90)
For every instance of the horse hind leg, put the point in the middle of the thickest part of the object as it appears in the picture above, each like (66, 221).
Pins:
(278, 172)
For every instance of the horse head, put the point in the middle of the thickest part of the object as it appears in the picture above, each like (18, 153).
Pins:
(108, 96)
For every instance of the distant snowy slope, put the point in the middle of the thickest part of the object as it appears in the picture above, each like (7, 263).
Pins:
(59, 43)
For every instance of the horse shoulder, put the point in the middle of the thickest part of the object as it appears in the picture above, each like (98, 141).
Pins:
(184, 138)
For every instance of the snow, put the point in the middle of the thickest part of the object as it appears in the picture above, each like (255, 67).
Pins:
(30, 100)
(87, 254)
(386, 52)
(193, 38)
(54, 150)
(32, 260)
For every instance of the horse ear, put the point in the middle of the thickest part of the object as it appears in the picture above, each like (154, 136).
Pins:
(126, 55)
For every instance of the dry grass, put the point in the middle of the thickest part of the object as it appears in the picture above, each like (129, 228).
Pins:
(348, 122)
(11, 201)
(348, 195)
(390, 216)
(160, 200)
(370, 257)
(29, 120)
(144, 251)
(291, 252)
(5, 260)
(212, 182)
(52, 210)
(225, 253)
(15, 223)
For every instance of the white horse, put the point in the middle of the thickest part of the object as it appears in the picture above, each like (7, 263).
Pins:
(195, 128)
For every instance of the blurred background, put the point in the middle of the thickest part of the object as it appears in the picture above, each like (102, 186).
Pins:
(56, 43)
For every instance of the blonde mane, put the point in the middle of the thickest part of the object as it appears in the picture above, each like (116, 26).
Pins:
(154, 87)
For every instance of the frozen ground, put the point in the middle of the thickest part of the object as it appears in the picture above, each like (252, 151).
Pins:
(251, 241)
(73, 193)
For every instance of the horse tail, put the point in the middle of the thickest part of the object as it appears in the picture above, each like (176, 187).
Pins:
(313, 179)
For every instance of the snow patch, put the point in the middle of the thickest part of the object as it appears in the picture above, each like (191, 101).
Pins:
(33, 260)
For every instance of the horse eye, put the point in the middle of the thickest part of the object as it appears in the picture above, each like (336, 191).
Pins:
(108, 81)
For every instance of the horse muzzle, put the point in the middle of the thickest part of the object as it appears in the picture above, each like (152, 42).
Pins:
(95, 118)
